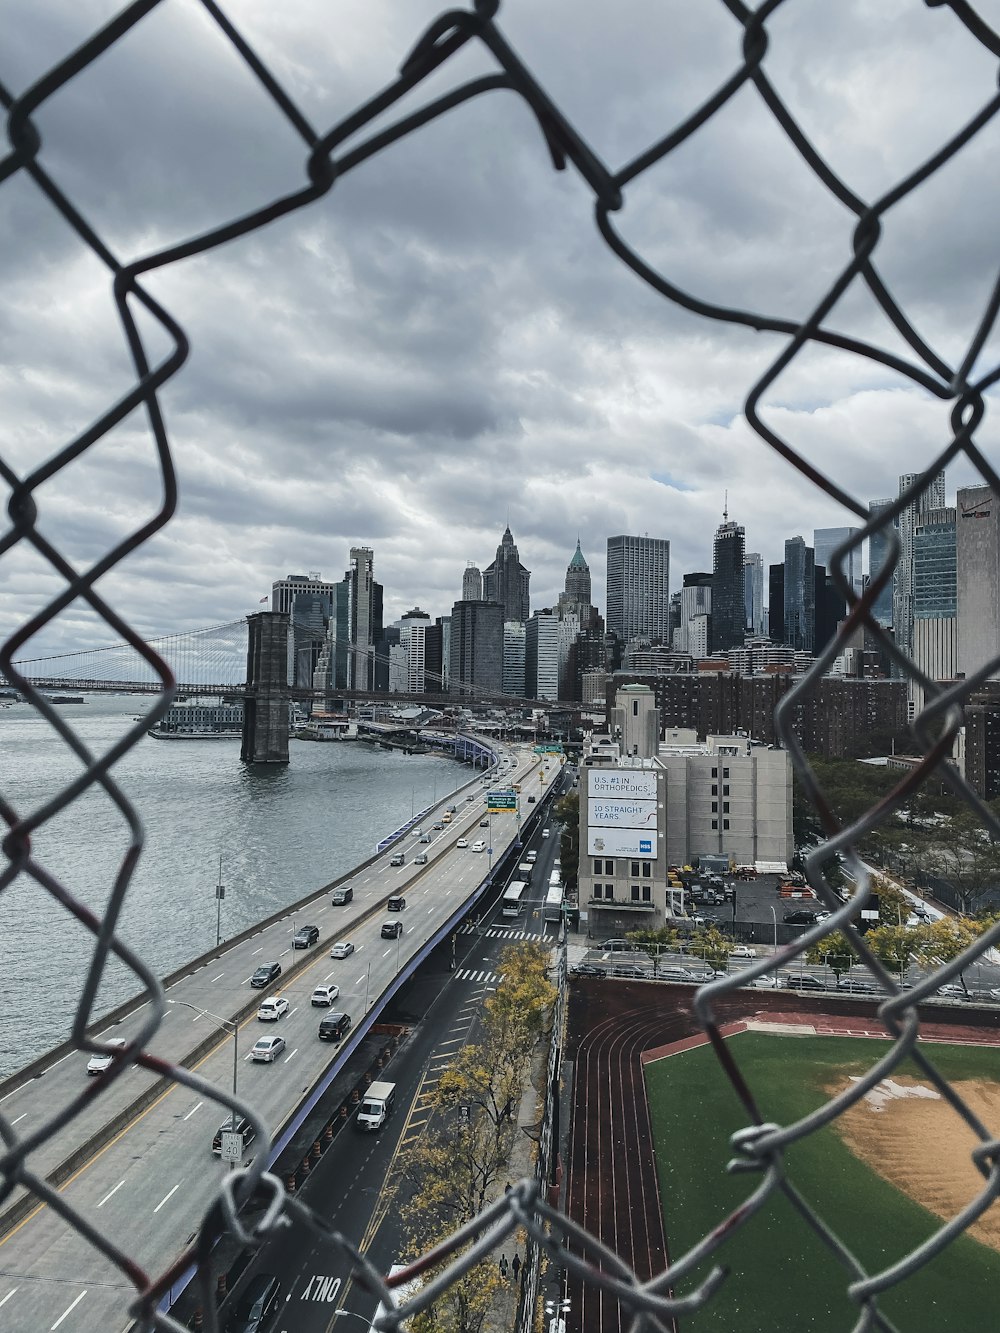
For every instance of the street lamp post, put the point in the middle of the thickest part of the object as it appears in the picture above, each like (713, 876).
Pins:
(774, 919)
(225, 1024)
(220, 893)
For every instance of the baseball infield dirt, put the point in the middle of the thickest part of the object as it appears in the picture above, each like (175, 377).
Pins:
(908, 1134)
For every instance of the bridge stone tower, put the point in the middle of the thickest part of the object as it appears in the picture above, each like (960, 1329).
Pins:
(265, 712)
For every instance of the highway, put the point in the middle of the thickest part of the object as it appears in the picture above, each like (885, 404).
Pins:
(347, 1188)
(148, 1188)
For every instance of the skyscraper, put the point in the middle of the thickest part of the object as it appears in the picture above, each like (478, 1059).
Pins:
(878, 556)
(513, 658)
(776, 603)
(728, 615)
(472, 584)
(639, 588)
(826, 541)
(935, 574)
(977, 577)
(753, 593)
(906, 525)
(506, 580)
(541, 656)
(800, 595)
(695, 601)
(574, 600)
(365, 612)
(476, 648)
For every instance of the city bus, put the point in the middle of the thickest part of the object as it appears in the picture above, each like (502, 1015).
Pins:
(513, 898)
(552, 910)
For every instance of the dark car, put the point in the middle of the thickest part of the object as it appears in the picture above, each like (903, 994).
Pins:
(800, 917)
(397, 904)
(391, 930)
(334, 1027)
(855, 986)
(257, 1306)
(588, 970)
(243, 1126)
(264, 975)
(304, 937)
(803, 982)
(531, 800)
(629, 970)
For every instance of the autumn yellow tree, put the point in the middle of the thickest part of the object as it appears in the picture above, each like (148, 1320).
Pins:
(454, 1167)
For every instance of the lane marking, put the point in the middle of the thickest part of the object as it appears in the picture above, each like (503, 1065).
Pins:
(167, 1197)
(197, 1106)
(19, 1119)
(110, 1192)
(9, 1295)
(215, 979)
(69, 1311)
(288, 1057)
(260, 950)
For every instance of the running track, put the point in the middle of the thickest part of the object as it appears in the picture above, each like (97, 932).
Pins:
(611, 1180)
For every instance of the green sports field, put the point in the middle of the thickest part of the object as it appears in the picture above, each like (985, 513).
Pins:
(781, 1277)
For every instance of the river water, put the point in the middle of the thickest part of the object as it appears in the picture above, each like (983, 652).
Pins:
(281, 834)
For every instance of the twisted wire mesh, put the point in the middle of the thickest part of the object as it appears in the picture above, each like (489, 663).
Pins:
(329, 156)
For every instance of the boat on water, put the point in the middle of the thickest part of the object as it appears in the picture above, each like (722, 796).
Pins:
(159, 735)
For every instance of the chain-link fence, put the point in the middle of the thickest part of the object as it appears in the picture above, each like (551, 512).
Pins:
(329, 156)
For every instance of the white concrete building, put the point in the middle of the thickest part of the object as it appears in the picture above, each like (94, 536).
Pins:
(541, 656)
(728, 797)
(644, 810)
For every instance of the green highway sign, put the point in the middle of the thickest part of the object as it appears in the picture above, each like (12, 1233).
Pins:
(505, 799)
(548, 749)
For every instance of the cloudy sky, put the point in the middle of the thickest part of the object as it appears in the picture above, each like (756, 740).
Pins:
(444, 342)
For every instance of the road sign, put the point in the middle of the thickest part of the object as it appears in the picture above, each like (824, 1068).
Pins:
(503, 799)
(232, 1146)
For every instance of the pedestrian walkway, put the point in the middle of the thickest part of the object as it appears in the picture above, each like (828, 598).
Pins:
(487, 978)
(503, 933)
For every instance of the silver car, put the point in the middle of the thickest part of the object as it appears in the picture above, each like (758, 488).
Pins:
(267, 1049)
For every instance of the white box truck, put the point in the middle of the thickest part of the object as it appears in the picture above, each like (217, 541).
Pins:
(376, 1106)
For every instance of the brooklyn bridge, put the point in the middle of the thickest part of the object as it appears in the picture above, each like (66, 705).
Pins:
(258, 659)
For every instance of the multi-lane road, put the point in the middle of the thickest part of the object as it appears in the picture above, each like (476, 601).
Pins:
(149, 1186)
(350, 1188)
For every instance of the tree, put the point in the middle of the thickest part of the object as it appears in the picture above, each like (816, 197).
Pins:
(942, 941)
(963, 853)
(567, 811)
(710, 944)
(450, 1171)
(895, 946)
(894, 907)
(664, 939)
(833, 952)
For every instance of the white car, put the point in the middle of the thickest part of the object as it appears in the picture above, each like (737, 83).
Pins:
(462, 842)
(101, 1061)
(271, 1010)
(479, 845)
(532, 857)
(342, 949)
(267, 1049)
(545, 832)
(325, 995)
(742, 951)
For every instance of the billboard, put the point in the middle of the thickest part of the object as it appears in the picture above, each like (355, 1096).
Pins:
(622, 842)
(638, 783)
(621, 814)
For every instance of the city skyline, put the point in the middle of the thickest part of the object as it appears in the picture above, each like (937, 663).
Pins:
(434, 347)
